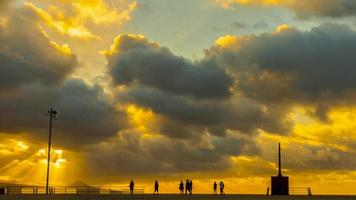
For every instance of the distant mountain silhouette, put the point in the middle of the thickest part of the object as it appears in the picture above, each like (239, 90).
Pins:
(84, 188)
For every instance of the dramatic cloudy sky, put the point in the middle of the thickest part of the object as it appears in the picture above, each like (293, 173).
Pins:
(169, 90)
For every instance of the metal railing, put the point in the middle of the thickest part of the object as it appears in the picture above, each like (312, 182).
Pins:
(295, 191)
(64, 190)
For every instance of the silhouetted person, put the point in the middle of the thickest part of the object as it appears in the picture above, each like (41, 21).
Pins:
(156, 187)
(215, 186)
(190, 187)
(132, 186)
(186, 186)
(181, 187)
(222, 187)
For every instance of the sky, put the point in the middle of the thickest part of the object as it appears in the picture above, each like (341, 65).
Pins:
(171, 90)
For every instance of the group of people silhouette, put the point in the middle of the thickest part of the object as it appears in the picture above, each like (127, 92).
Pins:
(222, 186)
(188, 187)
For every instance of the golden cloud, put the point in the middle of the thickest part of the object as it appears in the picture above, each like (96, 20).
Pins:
(72, 18)
(12, 146)
(142, 119)
(63, 25)
(115, 47)
(100, 13)
(331, 138)
(226, 41)
(282, 28)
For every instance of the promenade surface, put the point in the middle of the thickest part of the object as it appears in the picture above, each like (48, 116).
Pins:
(171, 197)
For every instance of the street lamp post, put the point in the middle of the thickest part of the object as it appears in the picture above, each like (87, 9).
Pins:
(52, 115)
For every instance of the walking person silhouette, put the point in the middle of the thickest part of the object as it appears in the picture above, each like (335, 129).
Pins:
(222, 187)
(156, 187)
(131, 186)
(215, 187)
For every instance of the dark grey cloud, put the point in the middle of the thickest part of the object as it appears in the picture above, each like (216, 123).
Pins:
(86, 115)
(34, 75)
(321, 112)
(313, 8)
(177, 129)
(142, 61)
(294, 64)
(273, 72)
(239, 113)
(130, 156)
(323, 8)
(320, 158)
(184, 158)
(182, 95)
(27, 55)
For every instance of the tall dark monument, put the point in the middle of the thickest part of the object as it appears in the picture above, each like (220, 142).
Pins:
(280, 183)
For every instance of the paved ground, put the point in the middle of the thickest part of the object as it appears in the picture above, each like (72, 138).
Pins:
(171, 197)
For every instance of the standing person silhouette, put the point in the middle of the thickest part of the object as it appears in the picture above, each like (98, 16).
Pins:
(181, 187)
(215, 186)
(190, 187)
(156, 187)
(132, 186)
(222, 187)
(186, 186)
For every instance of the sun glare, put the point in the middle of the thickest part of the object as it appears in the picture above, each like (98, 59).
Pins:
(22, 146)
(32, 169)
